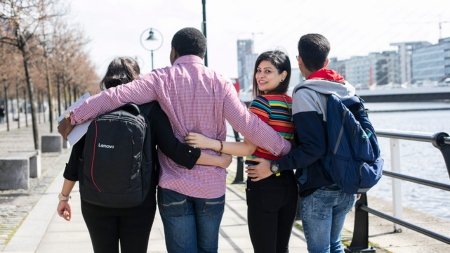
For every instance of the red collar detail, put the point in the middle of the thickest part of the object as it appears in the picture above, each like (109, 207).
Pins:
(327, 74)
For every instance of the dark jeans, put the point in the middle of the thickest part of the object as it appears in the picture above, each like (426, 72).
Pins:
(130, 226)
(191, 225)
(272, 206)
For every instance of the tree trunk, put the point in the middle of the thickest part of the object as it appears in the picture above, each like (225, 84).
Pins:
(49, 96)
(6, 106)
(74, 93)
(18, 105)
(69, 92)
(25, 106)
(59, 95)
(31, 98)
(66, 101)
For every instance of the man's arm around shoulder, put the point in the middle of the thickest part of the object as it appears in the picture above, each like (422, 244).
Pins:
(251, 127)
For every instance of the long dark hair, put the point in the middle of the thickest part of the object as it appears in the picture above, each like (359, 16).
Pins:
(121, 70)
(282, 63)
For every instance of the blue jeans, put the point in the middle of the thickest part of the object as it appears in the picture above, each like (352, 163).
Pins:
(323, 216)
(190, 224)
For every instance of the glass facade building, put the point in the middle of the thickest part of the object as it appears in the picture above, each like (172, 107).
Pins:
(376, 68)
(428, 63)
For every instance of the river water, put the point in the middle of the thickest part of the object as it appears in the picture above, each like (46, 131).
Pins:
(418, 159)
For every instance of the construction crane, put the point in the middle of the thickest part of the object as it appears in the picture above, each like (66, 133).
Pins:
(440, 28)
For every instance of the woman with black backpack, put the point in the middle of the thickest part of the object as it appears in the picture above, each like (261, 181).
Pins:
(130, 226)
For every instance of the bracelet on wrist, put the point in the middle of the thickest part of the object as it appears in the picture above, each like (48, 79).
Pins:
(221, 147)
(61, 197)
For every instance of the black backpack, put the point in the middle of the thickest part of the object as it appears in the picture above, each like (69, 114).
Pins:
(118, 158)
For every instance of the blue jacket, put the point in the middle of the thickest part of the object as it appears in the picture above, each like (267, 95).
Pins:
(309, 115)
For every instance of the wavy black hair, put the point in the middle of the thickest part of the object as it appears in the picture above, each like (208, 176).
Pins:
(281, 62)
(121, 70)
(189, 41)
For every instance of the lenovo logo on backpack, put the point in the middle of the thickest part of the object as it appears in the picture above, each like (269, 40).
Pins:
(105, 146)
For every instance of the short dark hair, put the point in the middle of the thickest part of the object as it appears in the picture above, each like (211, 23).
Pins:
(314, 49)
(281, 62)
(121, 70)
(189, 41)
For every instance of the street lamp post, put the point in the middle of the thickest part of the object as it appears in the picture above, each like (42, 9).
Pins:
(204, 29)
(151, 42)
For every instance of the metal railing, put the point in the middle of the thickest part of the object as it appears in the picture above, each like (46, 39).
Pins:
(360, 240)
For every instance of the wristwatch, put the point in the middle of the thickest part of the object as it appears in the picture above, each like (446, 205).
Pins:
(275, 168)
(62, 197)
(68, 113)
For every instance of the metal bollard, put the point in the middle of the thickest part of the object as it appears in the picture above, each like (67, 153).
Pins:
(360, 240)
(239, 179)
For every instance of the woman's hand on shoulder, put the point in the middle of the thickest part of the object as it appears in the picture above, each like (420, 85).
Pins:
(197, 140)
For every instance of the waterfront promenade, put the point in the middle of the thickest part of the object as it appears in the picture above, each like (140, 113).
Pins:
(29, 223)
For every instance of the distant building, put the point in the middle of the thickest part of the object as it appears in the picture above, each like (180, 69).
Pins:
(405, 50)
(246, 62)
(336, 65)
(380, 68)
(296, 76)
(431, 63)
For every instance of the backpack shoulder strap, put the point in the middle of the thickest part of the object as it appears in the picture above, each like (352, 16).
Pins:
(301, 87)
(145, 109)
(131, 108)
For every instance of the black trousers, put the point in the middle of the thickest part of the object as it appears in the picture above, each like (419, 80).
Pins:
(130, 226)
(272, 206)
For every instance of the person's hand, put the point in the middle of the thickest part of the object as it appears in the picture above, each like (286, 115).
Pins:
(358, 196)
(64, 210)
(259, 171)
(225, 160)
(64, 128)
(200, 141)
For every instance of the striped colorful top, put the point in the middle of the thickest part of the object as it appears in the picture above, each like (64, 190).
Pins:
(275, 110)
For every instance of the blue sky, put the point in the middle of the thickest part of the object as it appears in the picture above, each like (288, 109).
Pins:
(353, 27)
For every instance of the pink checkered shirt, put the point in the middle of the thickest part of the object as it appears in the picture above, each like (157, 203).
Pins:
(196, 99)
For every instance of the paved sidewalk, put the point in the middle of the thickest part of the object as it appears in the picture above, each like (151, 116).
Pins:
(45, 232)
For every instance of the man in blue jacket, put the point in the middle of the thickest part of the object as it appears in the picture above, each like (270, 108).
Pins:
(324, 205)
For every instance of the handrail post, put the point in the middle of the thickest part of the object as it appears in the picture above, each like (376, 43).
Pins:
(360, 240)
(396, 183)
(438, 141)
(239, 179)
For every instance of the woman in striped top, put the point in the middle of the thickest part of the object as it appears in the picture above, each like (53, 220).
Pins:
(271, 196)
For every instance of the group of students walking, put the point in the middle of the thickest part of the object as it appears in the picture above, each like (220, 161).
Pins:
(282, 134)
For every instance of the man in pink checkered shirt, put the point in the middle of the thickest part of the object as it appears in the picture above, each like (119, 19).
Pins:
(196, 99)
